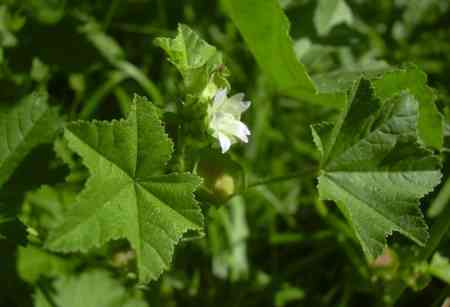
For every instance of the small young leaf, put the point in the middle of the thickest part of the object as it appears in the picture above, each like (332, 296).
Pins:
(127, 195)
(91, 289)
(374, 169)
(194, 58)
(29, 124)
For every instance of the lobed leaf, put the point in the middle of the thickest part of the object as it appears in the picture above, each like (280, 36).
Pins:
(374, 169)
(127, 195)
(194, 58)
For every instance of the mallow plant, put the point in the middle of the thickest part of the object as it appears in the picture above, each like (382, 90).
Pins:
(148, 178)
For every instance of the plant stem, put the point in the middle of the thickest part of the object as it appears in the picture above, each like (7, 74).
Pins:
(180, 149)
(281, 178)
(180, 144)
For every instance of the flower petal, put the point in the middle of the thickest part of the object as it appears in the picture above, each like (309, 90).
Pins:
(227, 124)
(225, 142)
(224, 119)
(242, 132)
(220, 97)
(235, 105)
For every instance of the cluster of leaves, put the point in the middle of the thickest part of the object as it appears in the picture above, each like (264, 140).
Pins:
(98, 185)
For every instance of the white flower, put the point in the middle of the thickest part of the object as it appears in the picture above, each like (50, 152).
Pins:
(224, 115)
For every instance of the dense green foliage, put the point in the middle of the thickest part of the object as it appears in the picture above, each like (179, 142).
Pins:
(127, 177)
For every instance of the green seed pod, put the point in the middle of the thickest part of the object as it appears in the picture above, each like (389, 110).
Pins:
(222, 177)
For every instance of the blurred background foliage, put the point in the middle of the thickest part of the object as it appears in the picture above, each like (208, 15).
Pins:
(274, 245)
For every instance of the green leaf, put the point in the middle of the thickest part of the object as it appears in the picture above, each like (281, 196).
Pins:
(90, 289)
(47, 11)
(388, 82)
(342, 80)
(9, 24)
(34, 263)
(440, 267)
(430, 122)
(194, 58)
(330, 13)
(265, 29)
(26, 126)
(287, 295)
(44, 208)
(127, 195)
(374, 169)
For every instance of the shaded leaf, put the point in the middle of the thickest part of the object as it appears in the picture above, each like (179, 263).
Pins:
(91, 289)
(44, 208)
(29, 124)
(374, 169)
(34, 263)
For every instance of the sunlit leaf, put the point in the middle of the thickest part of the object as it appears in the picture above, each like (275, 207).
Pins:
(128, 195)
